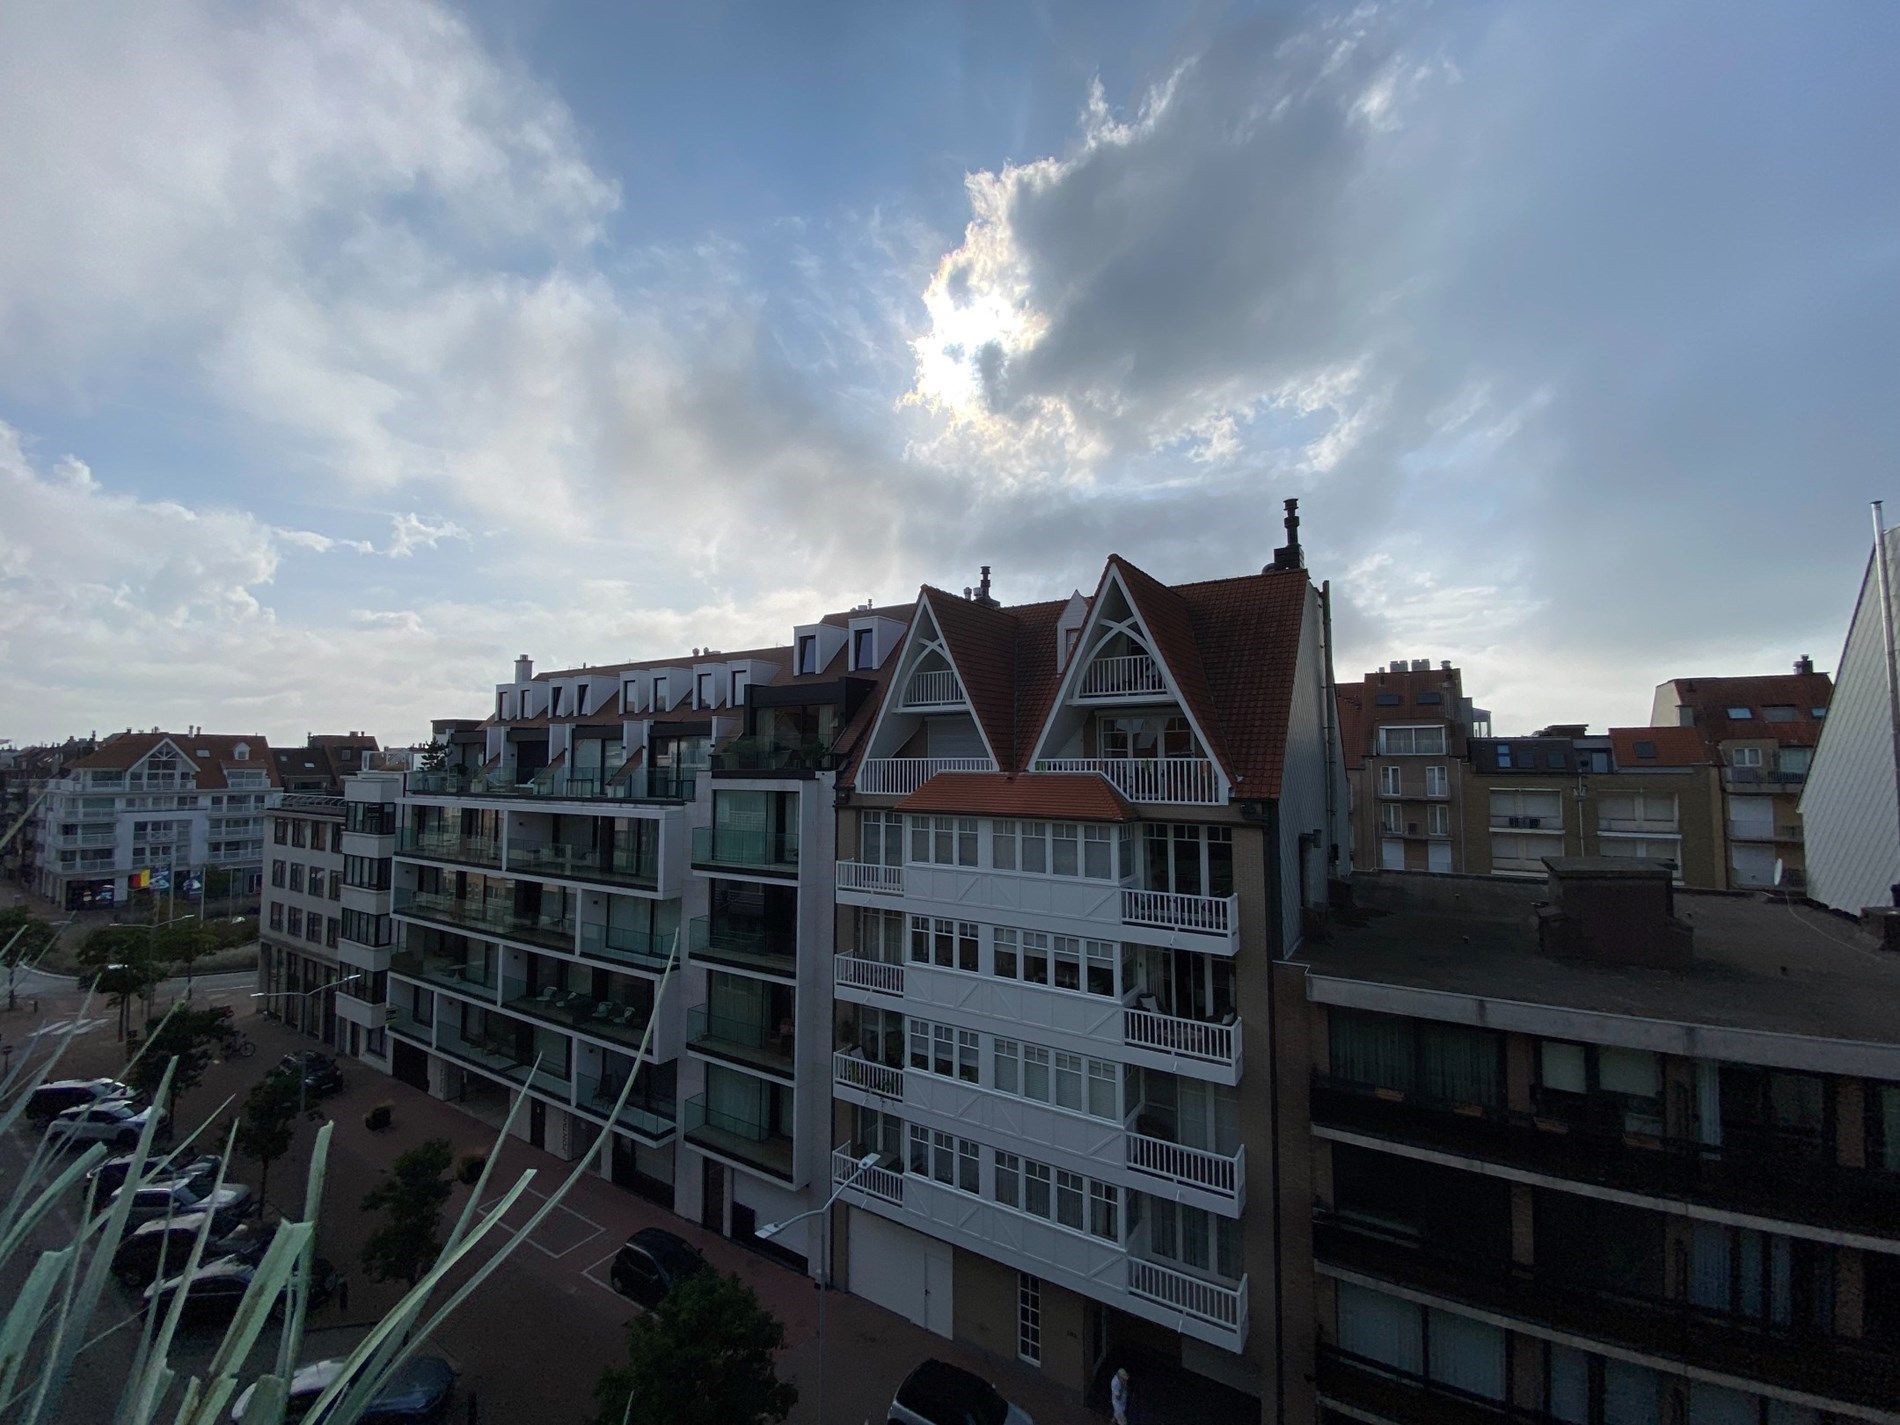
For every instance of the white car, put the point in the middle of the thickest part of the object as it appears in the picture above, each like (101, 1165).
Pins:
(938, 1393)
(50, 1099)
(177, 1196)
(115, 1121)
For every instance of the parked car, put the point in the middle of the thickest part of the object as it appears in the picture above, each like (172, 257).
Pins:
(177, 1196)
(938, 1393)
(652, 1263)
(50, 1100)
(321, 1076)
(212, 1293)
(117, 1121)
(112, 1173)
(418, 1392)
(165, 1245)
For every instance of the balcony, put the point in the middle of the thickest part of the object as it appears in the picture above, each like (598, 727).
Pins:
(744, 848)
(768, 757)
(1176, 781)
(1552, 824)
(1649, 1327)
(932, 688)
(498, 1054)
(1200, 1040)
(1373, 1390)
(854, 1071)
(1738, 831)
(449, 972)
(619, 1020)
(645, 1114)
(900, 776)
(745, 945)
(1132, 675)
(1772, 1181)
(619, 866)
(745, 1042)
(1222, 1174)
(1768, 778)
(885, 1184)
(871, 879)
(656, 784)
(738, 1137)
(448, 846)
(1170, 910)
(404, 1025)
(490, 918)
(622, 945)
(852, 972)
(1212, 1302)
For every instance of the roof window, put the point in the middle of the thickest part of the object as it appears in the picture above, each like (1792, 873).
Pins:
(1427, 699)
(1388, 700)
(1741, 714)
(1780, 713)
(1645, 749)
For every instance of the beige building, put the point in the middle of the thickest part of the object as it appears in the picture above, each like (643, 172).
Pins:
(1404, 731)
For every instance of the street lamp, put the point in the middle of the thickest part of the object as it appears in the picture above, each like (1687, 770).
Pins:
(303, 1075)
(772, 1229)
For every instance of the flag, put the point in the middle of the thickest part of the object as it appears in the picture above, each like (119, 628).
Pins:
(194, 884)
(161, 880)
(139, 880)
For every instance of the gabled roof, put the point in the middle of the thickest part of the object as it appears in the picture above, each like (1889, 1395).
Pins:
(212, 754)
(1050, 796)
(1166, 615)
(1666, 747)
(1711, 699)
(981, 642)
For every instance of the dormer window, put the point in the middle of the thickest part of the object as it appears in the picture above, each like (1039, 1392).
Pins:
(808, 653)
(863, 648)
(659, 694)
(703, 691)
(242, 751)
(739, 680)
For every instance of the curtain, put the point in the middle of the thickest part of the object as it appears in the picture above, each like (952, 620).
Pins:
(1710, 1265)
(1381, 1328)
(1568, 1394)
(1373, 1049)
(1467, 1354)
(1459, 1065)
(737, 1098)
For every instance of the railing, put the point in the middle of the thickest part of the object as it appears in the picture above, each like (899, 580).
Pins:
(487, 918)
(850, 1071)
(739, 1135)
(648, 1113)
(448, 846)
(1553, 822)
(620, 1020)
(933, 689)
(1182, 781)
(754, 946)
(868, 876)
(1215, 1302)
(900, 776)
(661, 784)
(1190, 1038)
(644, 948)
(440, 969)
(1120, 677)
(1636, 825)
(718, 1030)
(745, 846)
(1389, 1392)
(591, 863)
(766, 755)
(854, 972)
(1209, 915)
(1761, 776)
(886, 1183)
(1194, 1167)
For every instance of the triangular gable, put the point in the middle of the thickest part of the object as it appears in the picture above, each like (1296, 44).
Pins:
(926, 628)
(160, 746)
(1165, 626)
(981, 645)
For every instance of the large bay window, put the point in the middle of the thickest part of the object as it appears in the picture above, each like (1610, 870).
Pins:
(1422, 741)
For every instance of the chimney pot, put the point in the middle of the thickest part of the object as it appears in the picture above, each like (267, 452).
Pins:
(1289, 555)
(1804, 664)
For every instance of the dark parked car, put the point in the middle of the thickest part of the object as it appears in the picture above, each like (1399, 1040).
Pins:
(321, 1076)
(181, 1195)
(419, 1391)
(652, 1263)
(938, 1393)
(49, 1100)
(166, 1245)
(216, 1288)
(111, 1174)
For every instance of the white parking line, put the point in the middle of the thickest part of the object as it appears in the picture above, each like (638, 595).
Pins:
(551, 1219)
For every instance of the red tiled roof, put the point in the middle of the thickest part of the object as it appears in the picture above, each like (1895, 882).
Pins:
(1711, 698)
(1169, 619)
(123, 750)
(982, 645)
(1048, 796)
(1669, 746)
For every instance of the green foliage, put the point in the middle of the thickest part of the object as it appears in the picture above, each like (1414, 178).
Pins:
(268, 1123)
(434, 757)
(470, 1168)
(410, 1197)
(189, 1035)
(38, 935)
(379, 1117)
(703, 1356)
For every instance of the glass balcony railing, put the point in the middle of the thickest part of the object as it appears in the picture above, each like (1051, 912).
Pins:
(738, 1136)
(764, 756)
(492, 917)
(649, 1114)
(619, 865)
(745, 848)
(660, 784)
(449, 846)
(746, 1040)
(405, 1025)
(751, 945)
(450, 972)
(502, 1054)
(620, 1020)
(640, 949)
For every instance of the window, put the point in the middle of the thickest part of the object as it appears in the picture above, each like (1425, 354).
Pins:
(862, 648)
(1440, 1346)
(881, 935)
(1438, 820)
(943, 840)
(944, 1050)
(881, 838)
(1070, 1081)
(1389, 782)
(1195, 1238)
(1053, 848)
(1780, 713)
(1452, 1063)
(1028, 1318)
(293, 921)
(330, 931)
(954, 1162)
(362, 928)
(1159, 736)
(1745, 757)
(296, 879)
(1437, 781)
(316, 881)
(276, 916)
(296, 833)
(317, 830)
(703, 691)
(280, 828)
(1392, 819)
(739, 680)
(278, 873)
(370, 818)
(950, 944)
(1741, 714)
(1412, 741)
(369, 873)
(1795, 761)
(1761, 1276)
(1600, 1085)
(808, 653)
(660, 704)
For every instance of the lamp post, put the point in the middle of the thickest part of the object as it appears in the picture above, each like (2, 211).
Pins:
(303, 1073)
(823, 1214)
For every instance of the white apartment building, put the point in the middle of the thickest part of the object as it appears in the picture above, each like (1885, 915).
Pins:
(300, 914)
(1080, 835)
(178, 805)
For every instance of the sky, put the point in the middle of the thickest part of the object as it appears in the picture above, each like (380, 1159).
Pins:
(348, 350)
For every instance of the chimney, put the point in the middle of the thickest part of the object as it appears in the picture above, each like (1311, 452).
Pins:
(1804, 664)
(1421, 665)
(983, 590)
(524, 668)
(1612, 910)
(1289, 555)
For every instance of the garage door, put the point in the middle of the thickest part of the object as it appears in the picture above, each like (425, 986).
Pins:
(901, 1270)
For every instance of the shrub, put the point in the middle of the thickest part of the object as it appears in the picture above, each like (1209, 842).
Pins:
(470, 1168)
(379, 1117)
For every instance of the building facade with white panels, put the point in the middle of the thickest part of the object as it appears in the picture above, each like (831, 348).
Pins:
(1079, 835)
(301, 915)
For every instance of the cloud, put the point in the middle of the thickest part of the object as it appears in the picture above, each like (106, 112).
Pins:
(411, 532)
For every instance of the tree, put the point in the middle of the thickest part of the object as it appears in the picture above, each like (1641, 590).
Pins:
(184, 943)
(703, 1356)
(434, 757)
(410, 1196)
(24, 937)
(187, 1035)
(119, 961)
(268, 1124)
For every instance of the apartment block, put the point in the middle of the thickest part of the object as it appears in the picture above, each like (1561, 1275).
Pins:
(180, 805)
(1764, 730)
(1600, 1150)
(300, 916)
(1077, 834)
(1404, 731)
(325, 759)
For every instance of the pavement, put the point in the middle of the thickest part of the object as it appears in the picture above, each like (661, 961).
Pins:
(533, 1339)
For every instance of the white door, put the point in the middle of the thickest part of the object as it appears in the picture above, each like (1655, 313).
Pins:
(901, 1270)
(1752, 865)
(1438, 856)
(1392, 854)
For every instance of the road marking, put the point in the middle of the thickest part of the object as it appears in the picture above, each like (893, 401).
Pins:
(550, 1222)
(74, 1027)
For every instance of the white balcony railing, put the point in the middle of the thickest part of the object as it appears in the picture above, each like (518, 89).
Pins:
(852, 972)
(851, 1072)
(1221, 1173)
(1126, 676)
(1190, 1038)
(1183, 781)
(878, 1182)
(866, 876)
(900, 776)
(933, 688)
(1214, 1302)
(1209, 915)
